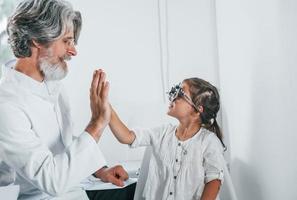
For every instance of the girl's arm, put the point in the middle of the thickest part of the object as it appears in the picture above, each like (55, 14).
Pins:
(211, 190)
(120, 130)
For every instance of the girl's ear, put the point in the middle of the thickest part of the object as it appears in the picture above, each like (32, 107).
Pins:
(200, 109)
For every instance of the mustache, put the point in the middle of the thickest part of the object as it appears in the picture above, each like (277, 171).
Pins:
(66, 57)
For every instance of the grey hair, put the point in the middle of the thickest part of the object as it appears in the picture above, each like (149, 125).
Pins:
(43, 21)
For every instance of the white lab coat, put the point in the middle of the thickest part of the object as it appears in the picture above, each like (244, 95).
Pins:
(37, 147)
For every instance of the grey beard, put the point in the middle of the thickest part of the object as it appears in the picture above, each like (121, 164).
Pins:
(52, 72)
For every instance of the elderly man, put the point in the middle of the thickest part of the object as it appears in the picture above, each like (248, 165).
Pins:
(37, 147)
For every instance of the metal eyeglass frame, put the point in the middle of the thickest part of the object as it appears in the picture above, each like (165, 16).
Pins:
(177, 91)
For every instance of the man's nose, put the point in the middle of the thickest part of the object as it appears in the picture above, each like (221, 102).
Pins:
(72, 51)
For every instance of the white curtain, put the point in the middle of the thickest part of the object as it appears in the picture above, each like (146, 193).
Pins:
(247, 48)
(257, 43)
(126, 39)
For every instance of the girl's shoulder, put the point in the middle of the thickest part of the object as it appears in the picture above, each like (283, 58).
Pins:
(156, 131)
(210, 140)
(166, 128)
(170, 127)
(207, 134)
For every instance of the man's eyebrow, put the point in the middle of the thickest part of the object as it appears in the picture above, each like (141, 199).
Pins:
(69, 38)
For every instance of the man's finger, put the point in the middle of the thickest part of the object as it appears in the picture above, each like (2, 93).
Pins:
(105, 92)
(121, 173)
(102, 77)
(94, 83)
(114, 180)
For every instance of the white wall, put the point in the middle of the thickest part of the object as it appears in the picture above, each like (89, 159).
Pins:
(123, 38)
(257, 56)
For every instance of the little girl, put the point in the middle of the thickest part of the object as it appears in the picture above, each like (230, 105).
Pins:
(187, 160)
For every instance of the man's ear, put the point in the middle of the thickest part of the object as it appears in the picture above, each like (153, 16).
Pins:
(36, 44)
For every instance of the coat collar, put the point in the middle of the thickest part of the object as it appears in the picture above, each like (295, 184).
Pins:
(48, 90)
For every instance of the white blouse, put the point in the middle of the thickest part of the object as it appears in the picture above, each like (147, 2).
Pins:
(179, 169)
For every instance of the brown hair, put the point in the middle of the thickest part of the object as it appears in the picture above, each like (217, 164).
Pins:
(206, 95)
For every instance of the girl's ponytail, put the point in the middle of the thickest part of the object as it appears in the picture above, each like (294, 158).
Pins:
(213, 126)
(206, 95)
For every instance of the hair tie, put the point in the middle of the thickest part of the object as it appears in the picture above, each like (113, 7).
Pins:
(211, 121)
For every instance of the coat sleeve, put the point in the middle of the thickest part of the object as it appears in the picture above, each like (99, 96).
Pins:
(22, 149)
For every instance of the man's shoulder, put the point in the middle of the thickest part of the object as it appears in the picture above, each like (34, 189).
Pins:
(10, 95)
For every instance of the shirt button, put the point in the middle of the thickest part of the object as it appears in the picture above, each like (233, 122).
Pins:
(174, 177)
(170, 193)
(176, 160)
(179, 144)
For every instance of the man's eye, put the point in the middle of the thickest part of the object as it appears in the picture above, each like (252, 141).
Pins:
(69, 42)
